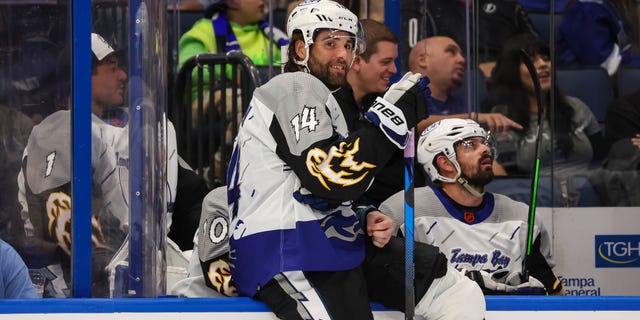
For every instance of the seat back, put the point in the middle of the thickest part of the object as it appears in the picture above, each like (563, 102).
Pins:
(628, 80)
(206, 124)
(541, 21)
(579, 192)
(519, 189)
(591, 85)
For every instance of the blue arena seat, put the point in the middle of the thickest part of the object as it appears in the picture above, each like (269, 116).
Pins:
(575, 192)
(519, 189)
(541, 21)
(591, 85)
(628, 80)
(585, 192)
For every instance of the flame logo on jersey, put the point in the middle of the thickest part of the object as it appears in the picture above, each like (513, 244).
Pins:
(58, 208)
(338, 167)
(219, 276)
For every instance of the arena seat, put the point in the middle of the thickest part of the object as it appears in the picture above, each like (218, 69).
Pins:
(628, 80)
(541, 21)
(519, 189)
(592, 85)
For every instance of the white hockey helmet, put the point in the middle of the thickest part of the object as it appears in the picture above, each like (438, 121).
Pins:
(312, 15)
(440, 138)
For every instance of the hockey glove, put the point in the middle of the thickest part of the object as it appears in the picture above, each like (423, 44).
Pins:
(410, 95)
(390, 112)
(502, 282)
(390, 120)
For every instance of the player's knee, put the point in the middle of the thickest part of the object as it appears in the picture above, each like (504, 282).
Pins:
(442, 300)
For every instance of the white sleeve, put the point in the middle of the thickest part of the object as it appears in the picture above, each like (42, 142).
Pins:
(612, 62)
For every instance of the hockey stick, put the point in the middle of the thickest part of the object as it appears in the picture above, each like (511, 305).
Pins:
(409, 154)
(536, 165)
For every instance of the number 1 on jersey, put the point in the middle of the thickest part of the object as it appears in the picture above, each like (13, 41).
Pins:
(50, 159)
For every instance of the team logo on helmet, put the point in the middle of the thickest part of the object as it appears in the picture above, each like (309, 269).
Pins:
(431, 128)
(306, 2)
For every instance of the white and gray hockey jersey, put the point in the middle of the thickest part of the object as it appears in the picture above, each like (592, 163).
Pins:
(45, 194)
(490, 237)
(293, 170)
(45, 189)
(209, 270)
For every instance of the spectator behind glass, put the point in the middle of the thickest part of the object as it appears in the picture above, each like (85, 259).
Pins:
(498, 20)
(619, 181)
(368, 78)
(14, 132)
(600, 33)
(440, 58)
(623, 120)
(232, 25)
(14, 276)
(577, 142)
(45, 180)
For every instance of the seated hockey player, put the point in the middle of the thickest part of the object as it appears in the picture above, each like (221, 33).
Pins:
(480, 232)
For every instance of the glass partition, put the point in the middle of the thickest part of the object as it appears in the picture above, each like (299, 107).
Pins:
(588, 162)
(590, 169)
(133, 173)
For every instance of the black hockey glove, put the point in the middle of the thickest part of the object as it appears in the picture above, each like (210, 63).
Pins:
(502, 282)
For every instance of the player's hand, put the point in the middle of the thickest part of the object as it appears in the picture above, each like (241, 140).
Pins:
(636, 140)
(379, 227)
(410, 95)
(402, 106)
(497, 122)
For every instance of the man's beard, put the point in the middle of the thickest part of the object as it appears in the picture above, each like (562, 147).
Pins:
(480, 179)
(321, 71)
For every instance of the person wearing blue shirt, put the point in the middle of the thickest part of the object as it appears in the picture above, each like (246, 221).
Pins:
(440, 58)
(14, 275)
(600, 32)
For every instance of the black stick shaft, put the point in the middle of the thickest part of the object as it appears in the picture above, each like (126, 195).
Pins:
(526, 59)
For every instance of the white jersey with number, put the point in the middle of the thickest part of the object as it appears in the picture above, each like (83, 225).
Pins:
(45, 186)
(490, 237)
(293, 171)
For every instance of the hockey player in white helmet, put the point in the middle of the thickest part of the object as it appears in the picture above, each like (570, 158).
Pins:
(295, 242)
(480, 232)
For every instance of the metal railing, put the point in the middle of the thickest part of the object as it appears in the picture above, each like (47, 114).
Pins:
(206, 111)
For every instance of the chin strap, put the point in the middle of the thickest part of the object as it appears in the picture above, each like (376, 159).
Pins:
(304, 61)
(469, 187)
